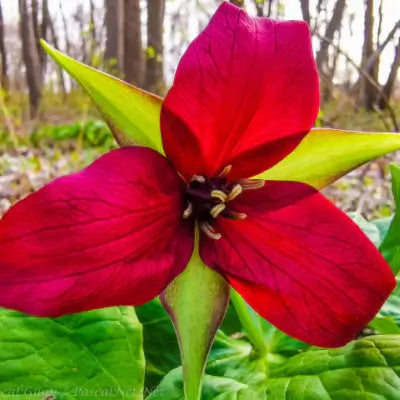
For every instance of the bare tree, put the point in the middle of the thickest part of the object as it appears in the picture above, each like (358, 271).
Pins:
(68, 46)
(31, 58)
(391, 79)
(114, 53)
(305, 10)
(260, 7)
(367, 92)
(47, 25)
(3, 54)
(154, 53)
(92, 32)
(133, 49)
(333, 26)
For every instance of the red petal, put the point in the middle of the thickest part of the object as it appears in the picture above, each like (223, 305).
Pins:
(301, 263)
(245, 93)
(109, 235)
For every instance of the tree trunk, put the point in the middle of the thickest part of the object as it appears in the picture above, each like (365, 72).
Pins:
(114, 21)
(367, 92)
(47, 25)
(259, 7)
(68, 46)
(31, 58)
(332, 27)
(3, 54)
(93, 33)
(154, 59)
(389, 84)
(305, 10)
(133, 50)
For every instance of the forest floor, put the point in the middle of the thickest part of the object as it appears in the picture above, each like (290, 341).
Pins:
(39, 151)
(24, 169)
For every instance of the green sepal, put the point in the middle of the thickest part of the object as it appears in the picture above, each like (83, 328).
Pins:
(196, 302)
(325, 155)
(132, 114)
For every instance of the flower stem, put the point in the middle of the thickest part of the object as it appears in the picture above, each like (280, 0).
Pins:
(250, 322)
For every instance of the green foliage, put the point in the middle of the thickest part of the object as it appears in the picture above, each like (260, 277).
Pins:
(90, 355)
(91, 133)
(365, 369)
(390, 247)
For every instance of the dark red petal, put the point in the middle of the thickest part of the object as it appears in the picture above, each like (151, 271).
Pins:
(109, 235)
(245, 93)
(301, 263)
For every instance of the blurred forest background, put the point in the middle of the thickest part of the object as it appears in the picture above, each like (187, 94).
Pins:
(49, 127)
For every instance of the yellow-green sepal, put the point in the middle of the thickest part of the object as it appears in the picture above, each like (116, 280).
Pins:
(196, 302)
(325, 155)
(132, 114)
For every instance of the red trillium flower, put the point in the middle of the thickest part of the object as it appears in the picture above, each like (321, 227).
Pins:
(245, 94)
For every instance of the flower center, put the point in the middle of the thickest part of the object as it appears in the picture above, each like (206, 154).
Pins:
(209, 198)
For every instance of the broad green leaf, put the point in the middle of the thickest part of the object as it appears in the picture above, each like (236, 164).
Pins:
(366, 369)
(388, 319)
(214, 388)
(325, 155)
(159, 341)
(390, 247)
(196, 301)
(86, 356)
(132, 114)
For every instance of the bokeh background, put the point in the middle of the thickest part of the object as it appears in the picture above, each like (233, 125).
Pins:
(49, 127)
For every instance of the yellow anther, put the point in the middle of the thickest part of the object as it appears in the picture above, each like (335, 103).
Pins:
(216, 210)
(209, 231)
(225, 171)
(235, 192)
(188, 211)
(237, 215)
(218, 194)
(251, 184)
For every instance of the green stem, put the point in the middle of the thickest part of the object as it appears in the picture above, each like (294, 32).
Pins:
(250, 325)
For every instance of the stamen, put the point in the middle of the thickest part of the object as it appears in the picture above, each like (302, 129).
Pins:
(216, 210)
(198, 178)
(235, 192)
(209, 231)
(251, 184)
(218, 194)
(188, 211)
(225, 171)
(237, 215)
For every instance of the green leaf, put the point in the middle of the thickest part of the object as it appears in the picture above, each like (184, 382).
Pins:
(196, 302)
(369, 228)
(87, 356)
(390, 247)
(132, 114)
(325, 155)
(214, 388)
(366, 369)
(159, 341)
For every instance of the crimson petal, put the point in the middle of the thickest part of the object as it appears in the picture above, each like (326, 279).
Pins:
(301, 263)
(109, 235)
(245, 93)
